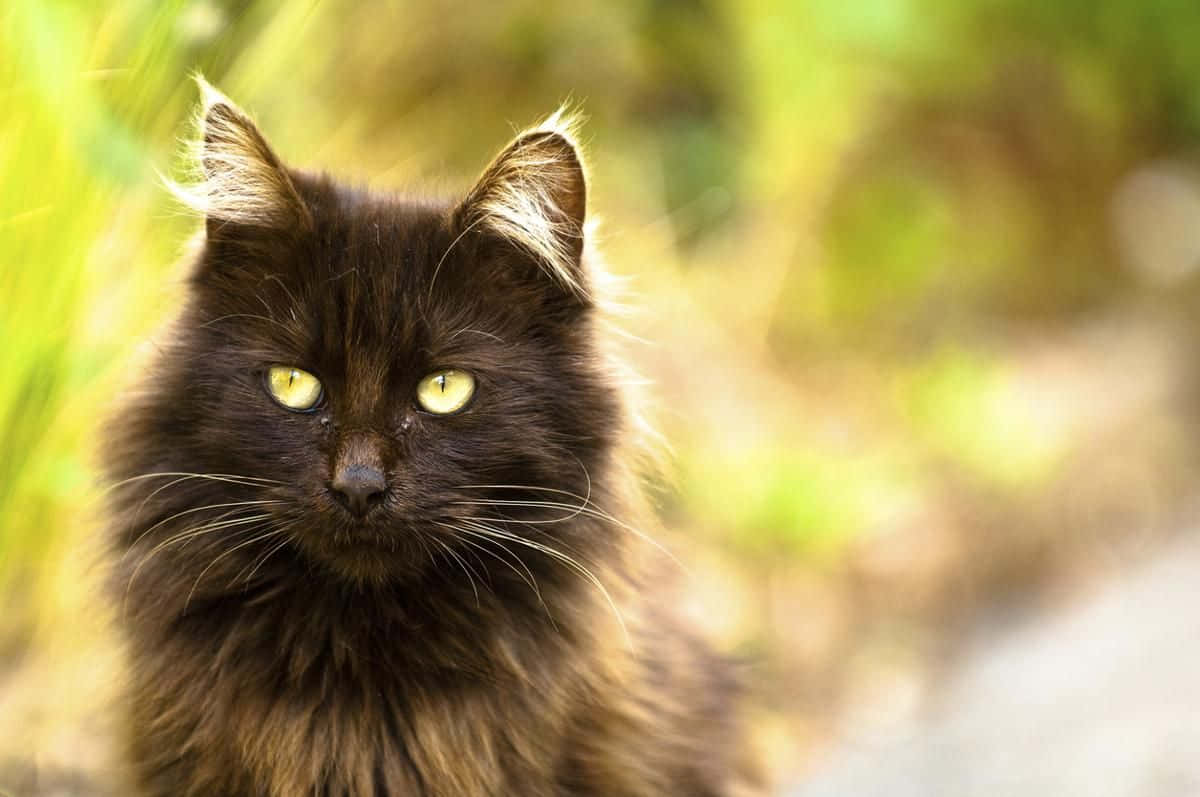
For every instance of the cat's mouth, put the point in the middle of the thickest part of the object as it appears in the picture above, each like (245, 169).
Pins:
(374, 548)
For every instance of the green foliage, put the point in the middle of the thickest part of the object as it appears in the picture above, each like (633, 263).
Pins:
(774, 503)
(888, 245)
(964, 407)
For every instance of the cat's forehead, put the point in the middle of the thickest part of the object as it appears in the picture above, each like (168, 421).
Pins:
(384, 236)
(376, 277)
(379, 271)
(379, 255)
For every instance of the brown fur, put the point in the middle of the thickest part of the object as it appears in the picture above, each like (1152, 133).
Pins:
(491, 628)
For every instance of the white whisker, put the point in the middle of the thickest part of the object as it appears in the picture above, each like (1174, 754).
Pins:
(561, 557)
(186, 536)
(260, 562)
(221, 477)
(574, 511)
(240, 545)
(463, 565)
(197, 509)
(527, 576)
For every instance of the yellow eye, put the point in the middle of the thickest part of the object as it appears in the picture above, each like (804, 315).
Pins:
(445, 391)
(295, 389)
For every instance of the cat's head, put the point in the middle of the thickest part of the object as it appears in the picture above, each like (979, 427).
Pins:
(374, 367)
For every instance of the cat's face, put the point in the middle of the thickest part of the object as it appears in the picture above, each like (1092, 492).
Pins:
(380, 369)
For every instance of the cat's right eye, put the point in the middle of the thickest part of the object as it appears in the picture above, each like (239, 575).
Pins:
(293, 388)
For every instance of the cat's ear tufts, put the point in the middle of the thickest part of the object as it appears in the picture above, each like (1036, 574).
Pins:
(534, 195)
(238, 177)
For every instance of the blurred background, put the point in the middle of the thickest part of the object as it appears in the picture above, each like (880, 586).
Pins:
(917, 278)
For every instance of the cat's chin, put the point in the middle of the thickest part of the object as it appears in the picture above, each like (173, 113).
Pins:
(366, 561)
(368, 568)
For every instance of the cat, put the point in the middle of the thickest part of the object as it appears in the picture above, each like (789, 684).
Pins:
(375, 525)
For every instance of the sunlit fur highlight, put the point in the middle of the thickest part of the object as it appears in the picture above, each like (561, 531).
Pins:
(232, 173)
(521, 196)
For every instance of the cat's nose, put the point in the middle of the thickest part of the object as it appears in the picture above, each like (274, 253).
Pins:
(359, 487)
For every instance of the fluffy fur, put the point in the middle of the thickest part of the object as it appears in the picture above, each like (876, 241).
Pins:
(491, 627)
(533, 195)
(236, 177)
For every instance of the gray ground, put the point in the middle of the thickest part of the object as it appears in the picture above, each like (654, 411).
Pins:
(1102, 700)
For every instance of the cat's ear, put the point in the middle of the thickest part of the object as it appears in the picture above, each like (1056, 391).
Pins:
(240, 180)
(534, 196)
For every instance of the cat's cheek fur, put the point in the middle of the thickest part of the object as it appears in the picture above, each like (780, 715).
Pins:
(493, 623)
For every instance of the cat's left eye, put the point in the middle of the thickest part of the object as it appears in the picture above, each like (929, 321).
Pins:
(446, 391)
(293, 388)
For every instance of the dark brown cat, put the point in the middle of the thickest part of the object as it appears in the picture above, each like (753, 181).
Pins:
(376, 529)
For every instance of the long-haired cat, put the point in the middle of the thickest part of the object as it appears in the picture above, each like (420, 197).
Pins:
(376, 529)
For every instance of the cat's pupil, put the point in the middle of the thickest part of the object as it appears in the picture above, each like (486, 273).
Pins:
(441, 381)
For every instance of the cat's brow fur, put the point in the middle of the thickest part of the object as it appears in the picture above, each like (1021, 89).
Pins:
(494, 627)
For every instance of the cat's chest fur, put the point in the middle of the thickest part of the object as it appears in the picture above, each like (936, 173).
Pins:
(357, 698)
